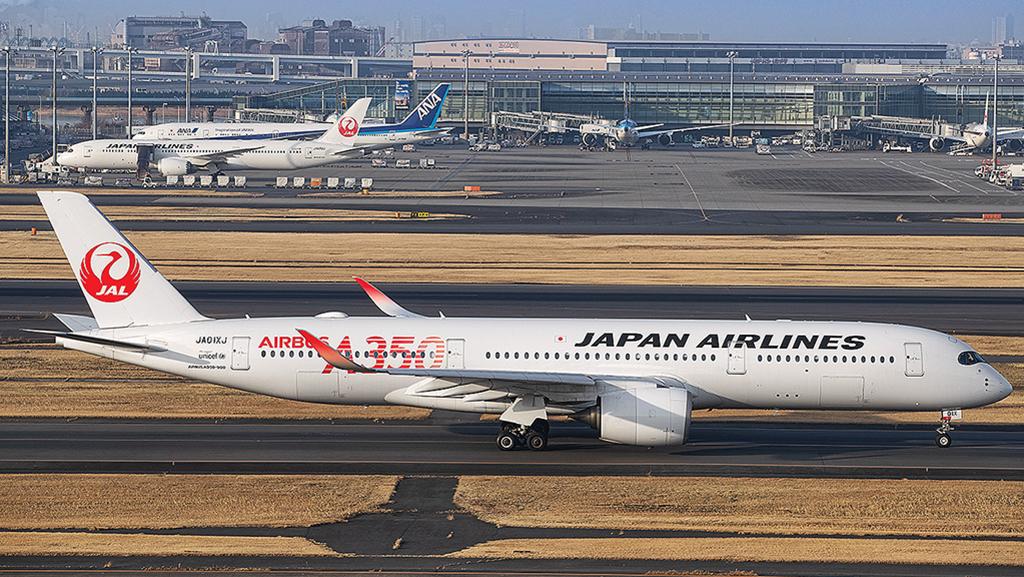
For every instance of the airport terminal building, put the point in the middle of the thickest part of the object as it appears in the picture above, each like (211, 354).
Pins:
(779, 86)
(783, 86)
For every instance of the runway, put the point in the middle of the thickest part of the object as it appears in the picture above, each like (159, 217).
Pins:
(27, 304)
(462, 445)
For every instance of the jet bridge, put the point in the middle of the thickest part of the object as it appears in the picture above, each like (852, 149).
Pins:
(935, 133)
(536, 123)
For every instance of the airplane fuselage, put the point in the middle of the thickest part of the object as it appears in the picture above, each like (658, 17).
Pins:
(739, 364)
(372, 136)
(271, 155)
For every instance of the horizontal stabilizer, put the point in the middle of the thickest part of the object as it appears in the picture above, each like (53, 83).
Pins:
(77, 323)
(97, 340)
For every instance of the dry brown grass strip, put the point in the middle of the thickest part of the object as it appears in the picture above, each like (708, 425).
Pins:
(780, 506)
(86, 501)
(121, 545)
(621, 259)
(47, 381)
(757, 549)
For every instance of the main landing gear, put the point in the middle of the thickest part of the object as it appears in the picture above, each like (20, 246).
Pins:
(942, 438)
(512, 436)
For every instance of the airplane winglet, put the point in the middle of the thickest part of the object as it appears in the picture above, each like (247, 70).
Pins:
(332, 355)
(384, 302)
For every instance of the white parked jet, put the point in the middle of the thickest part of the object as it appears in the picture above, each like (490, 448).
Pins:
(180, 157)
(635, 381)
(419, 125)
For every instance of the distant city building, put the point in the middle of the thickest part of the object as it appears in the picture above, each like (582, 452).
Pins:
(1002, 29)
(170, 32)
(592, 32)
(339, 38)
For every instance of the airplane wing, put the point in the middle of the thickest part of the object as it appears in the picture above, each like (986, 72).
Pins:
(570, 390)
(646, 132)
(221, 155)
(1010, 134)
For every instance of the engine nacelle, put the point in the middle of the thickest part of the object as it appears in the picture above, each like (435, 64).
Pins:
(936, 144)
(648, 416)
(1014, 145)
(175, 167)
(665, 139)
(590, 139)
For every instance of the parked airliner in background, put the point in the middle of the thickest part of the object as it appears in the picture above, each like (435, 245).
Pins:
(973, 137)
(180, 157)
(635, 381)
(418, 125)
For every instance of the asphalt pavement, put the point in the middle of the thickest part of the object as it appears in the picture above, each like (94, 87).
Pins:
(27, 304)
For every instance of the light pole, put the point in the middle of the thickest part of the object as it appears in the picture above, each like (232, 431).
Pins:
(188, 84)
(995, 113)
(465, 96)
(130, 51)
(732, 62)
(7, 114)
(57, 51)
(96, 51)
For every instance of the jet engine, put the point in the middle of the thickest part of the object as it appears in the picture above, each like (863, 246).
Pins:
(175, 167)
(665, 139)
(649, 417)
(1013, 145)
(590, 139)
(936, 144)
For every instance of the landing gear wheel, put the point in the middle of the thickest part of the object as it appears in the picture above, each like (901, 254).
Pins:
(943, 440)
(507, 441)
(536, 441)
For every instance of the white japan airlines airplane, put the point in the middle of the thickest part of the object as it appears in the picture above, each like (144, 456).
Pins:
(635, 381)
(180, 157)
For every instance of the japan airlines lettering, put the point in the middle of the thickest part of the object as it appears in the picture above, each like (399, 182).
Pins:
(726, 341)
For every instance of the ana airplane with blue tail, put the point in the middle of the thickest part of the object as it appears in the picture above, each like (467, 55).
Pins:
(419, 125)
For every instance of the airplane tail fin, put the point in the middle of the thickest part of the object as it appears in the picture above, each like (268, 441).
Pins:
(426, 113)
(120, 285)
(985, 120)
(344, 132)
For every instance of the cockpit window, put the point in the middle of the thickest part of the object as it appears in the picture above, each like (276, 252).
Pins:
(969, 358)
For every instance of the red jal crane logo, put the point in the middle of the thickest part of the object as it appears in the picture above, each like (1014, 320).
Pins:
(115, 259)
(348, 126)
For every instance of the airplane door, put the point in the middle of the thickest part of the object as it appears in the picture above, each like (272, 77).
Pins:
(145, 156)
(456, 352)
(308, 150)
(737, 361)
(915, 359)
(240, 353)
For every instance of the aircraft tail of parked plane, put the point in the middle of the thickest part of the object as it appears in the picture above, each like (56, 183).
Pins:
(345, 131)
(109, 269)
(426, 113)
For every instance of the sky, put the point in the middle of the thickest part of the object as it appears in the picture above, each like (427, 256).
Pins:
(955, 22)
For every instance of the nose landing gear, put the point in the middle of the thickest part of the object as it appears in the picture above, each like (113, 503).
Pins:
(942, 438)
